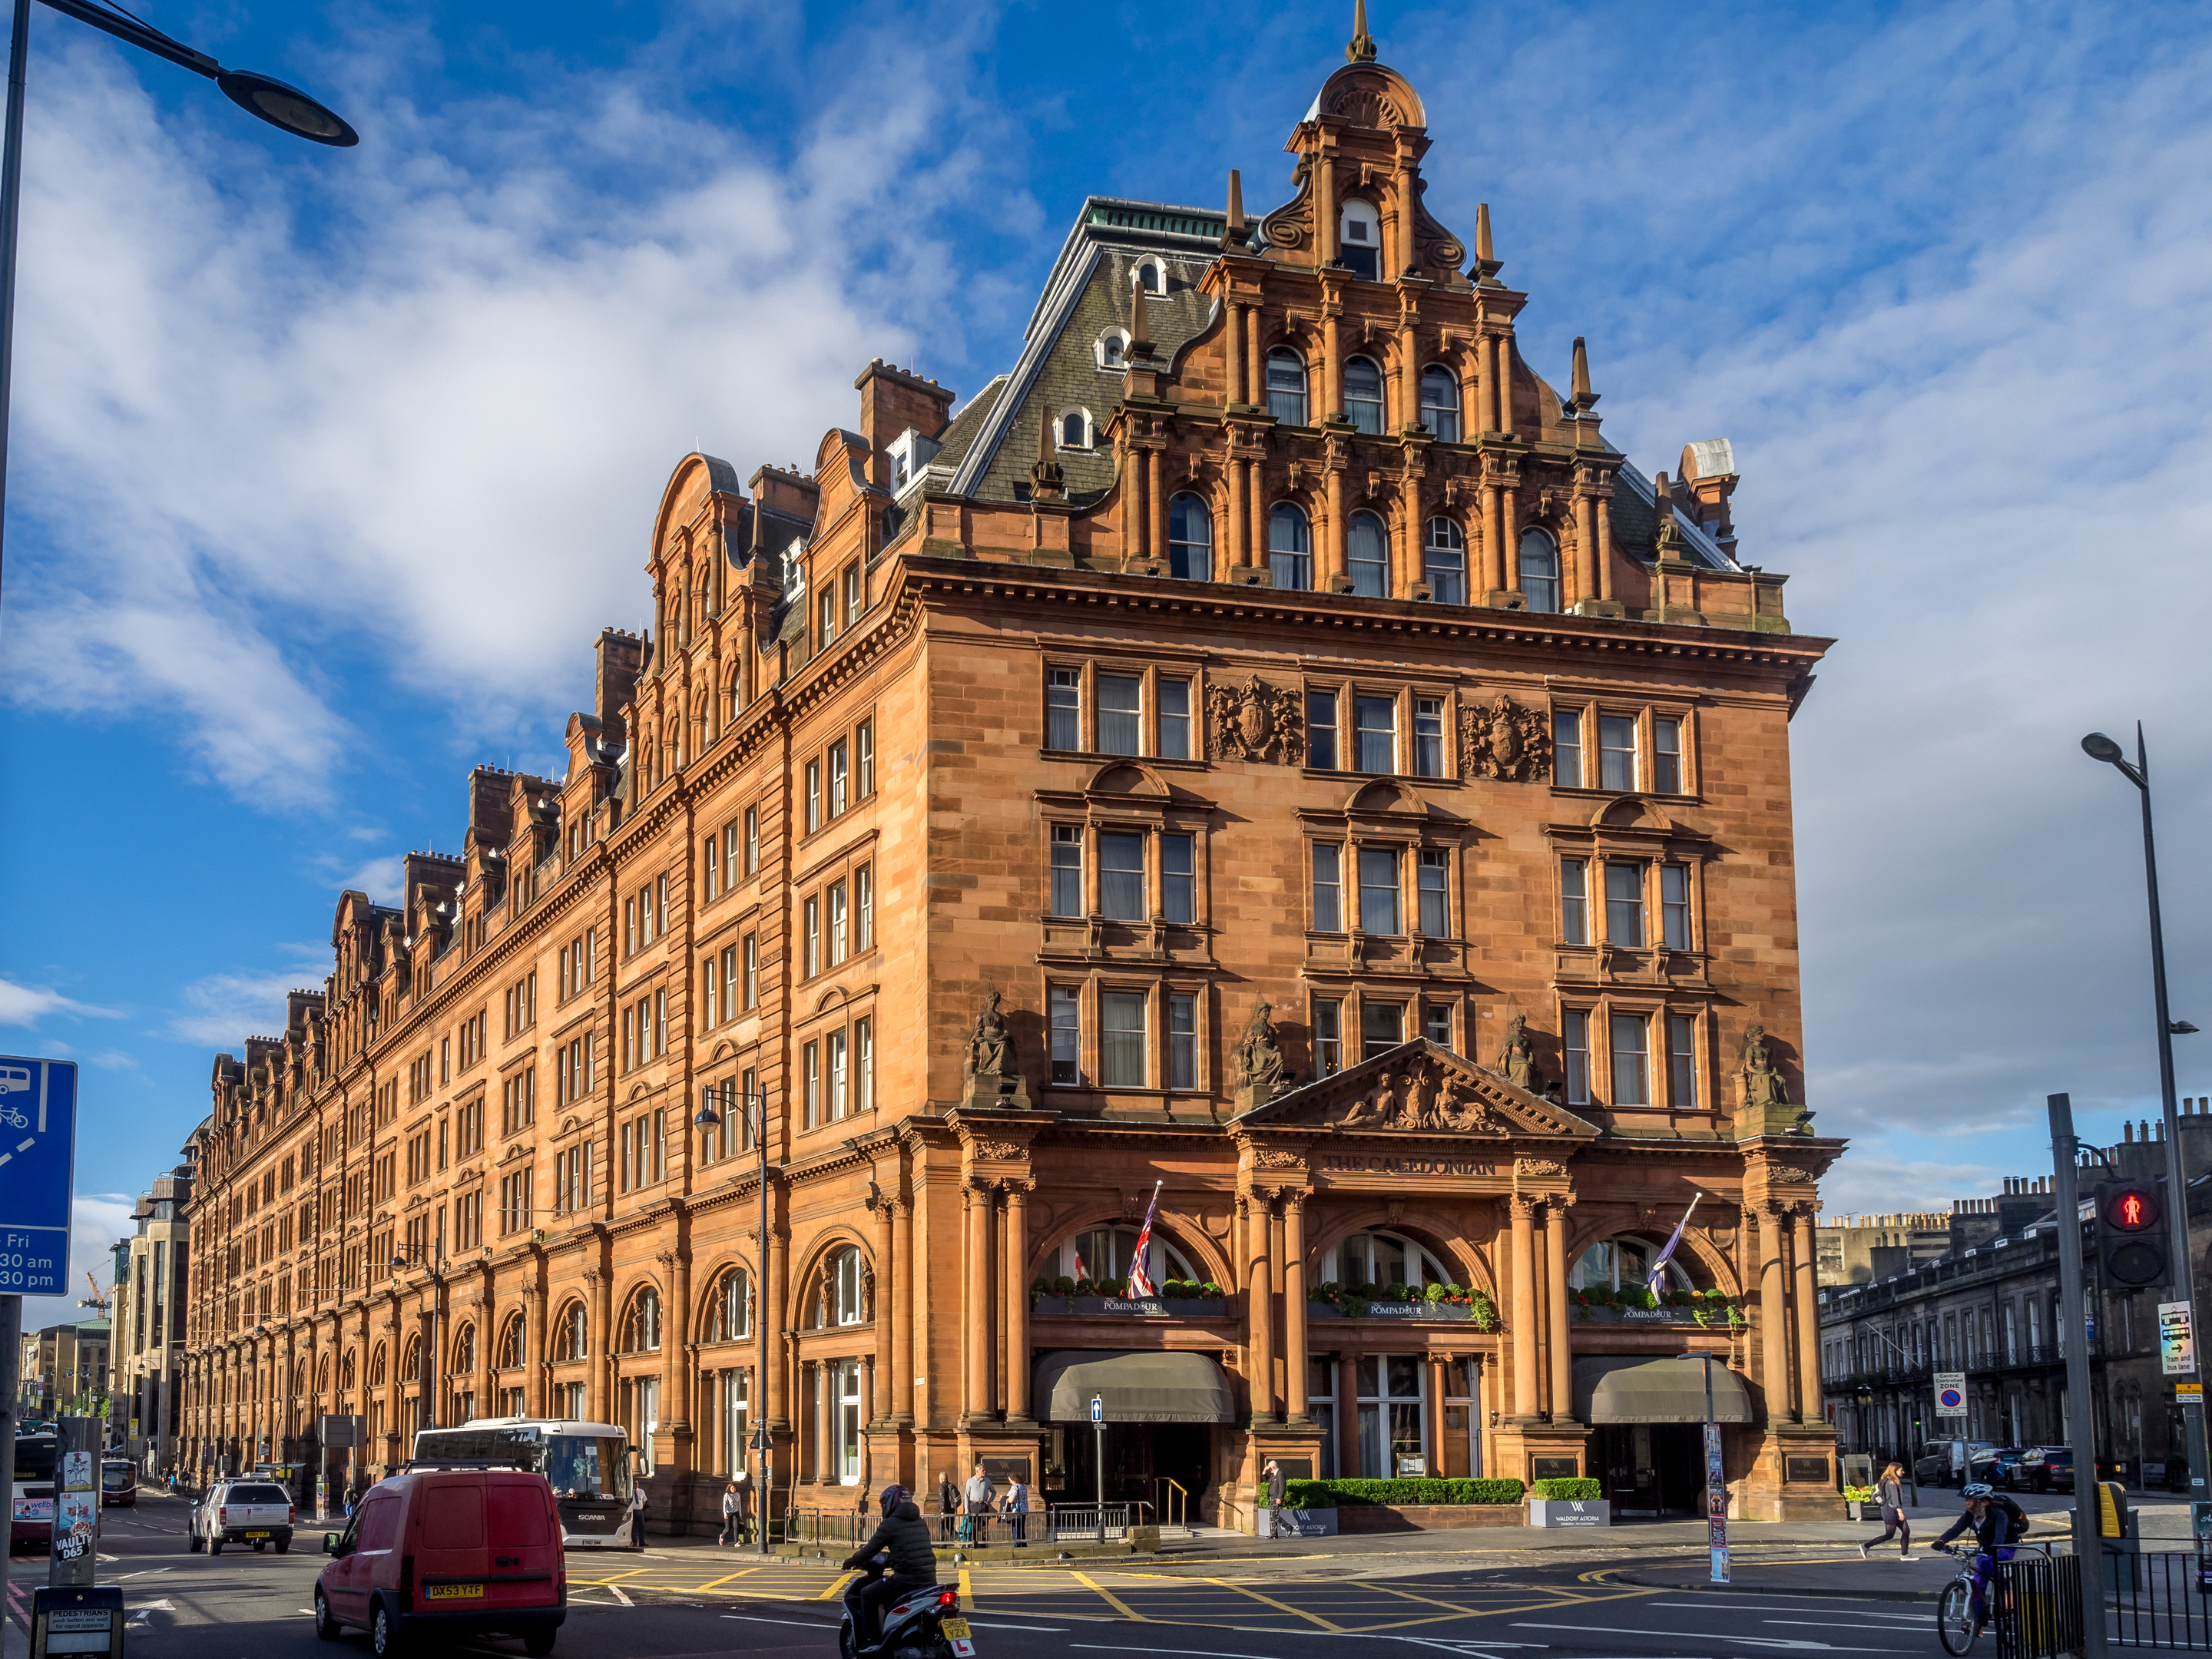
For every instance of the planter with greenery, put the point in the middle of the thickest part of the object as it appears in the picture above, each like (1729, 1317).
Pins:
(1351, 1494)
(1185, 1298)
(1460, 1303)
(1638, 1306)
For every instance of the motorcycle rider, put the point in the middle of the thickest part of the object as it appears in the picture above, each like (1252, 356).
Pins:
(903, 1535)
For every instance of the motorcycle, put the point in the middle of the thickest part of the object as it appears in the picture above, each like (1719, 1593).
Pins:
(923, 1625)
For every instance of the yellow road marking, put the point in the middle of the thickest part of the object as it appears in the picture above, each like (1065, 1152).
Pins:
(1109, 1597)
(716, 1583)
(1391, 1589)
(1298, 1613)
(836, 1586)
(967, 1591)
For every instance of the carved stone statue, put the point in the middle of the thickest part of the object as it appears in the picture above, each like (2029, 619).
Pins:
(1762, 1095)
(1256, 722)
(1259, 1068)
(1505, 741)
(989, 1071)
(1517, 1060)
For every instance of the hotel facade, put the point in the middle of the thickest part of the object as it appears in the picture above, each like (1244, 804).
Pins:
(1266, 753)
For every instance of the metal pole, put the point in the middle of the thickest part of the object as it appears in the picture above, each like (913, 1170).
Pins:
(2177, 1182)
(11, 1385)
(11, 201)
(758, 1105)
(2065, 1156)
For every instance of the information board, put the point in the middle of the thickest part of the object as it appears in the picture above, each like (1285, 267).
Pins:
(38, 1149)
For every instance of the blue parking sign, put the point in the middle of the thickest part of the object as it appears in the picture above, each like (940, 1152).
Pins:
(37, 1151)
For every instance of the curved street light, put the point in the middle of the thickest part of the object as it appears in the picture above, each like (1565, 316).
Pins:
(2098, 747)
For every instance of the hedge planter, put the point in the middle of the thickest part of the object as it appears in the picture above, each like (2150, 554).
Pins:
(1133, 1307)
(1718, 1320)
(1454, 1312)
(1569, 1512)
(1427, 1517)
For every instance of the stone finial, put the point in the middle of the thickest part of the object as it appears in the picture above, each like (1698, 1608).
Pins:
(1362, 49)
(1486, 263)
(1232, 233)
(1668, 538)
(1140, 338)
(1583, 398)
(1046, 482)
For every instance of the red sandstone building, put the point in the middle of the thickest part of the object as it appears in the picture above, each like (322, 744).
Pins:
(1267, 745)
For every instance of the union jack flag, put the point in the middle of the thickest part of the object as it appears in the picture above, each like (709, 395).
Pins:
(1140, 1282)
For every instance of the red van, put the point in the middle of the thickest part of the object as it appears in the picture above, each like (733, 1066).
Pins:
(447, 1553)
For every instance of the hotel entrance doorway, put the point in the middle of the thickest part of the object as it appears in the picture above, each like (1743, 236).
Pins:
(1653, 1468)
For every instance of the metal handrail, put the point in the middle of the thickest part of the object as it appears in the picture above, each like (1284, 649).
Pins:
(1174, 1506)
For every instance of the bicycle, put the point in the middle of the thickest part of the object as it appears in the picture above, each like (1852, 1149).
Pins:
(1954, 1609)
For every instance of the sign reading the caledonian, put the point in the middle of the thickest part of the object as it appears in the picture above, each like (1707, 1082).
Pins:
(1384, 1165)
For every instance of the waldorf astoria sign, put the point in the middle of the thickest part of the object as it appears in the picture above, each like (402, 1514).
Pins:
(1385, 1163)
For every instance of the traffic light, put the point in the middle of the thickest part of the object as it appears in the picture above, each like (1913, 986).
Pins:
(2130, 1242)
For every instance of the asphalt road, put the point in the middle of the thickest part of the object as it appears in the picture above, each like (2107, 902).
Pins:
(245, 1606)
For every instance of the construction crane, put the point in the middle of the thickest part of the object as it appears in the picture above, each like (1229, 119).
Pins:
(105, 1304)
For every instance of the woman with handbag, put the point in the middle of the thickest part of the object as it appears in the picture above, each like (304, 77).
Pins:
(1890, 1489)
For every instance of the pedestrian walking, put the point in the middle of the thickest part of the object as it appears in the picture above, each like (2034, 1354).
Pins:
(1015, 1506)
(1278, 1488)
(744, 1483)
(1890, 1491)
(976, 1503)
(733, 1513)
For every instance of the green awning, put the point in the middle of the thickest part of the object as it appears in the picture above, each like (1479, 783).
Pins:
(1670, 1390)
(1132, 1388)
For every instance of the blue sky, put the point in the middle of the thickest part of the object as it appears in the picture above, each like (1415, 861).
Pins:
(328, 466)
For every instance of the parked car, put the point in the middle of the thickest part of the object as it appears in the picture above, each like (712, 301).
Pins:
(1933, 1467)
(447, 1553)
(254, 1512)
(1995, 1465)
(119, 1482)
(2052, 1469)
(1945, 1462)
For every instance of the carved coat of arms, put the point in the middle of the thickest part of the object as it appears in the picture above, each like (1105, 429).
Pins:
(1256, 722)
(1504, 740)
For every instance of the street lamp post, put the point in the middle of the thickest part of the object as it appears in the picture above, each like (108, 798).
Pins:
(2097, 746)
(273, 101)
(755, 1117)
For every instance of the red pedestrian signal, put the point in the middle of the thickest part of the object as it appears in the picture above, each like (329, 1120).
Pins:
(2130, 1209)
(2129, 1246)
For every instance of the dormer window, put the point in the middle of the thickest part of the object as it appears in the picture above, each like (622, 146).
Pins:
(1359, 239)
(1073, 429)
(1151, 276)
(1111, 349)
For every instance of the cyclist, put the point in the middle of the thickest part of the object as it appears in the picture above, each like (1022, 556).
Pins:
(1997, 1523)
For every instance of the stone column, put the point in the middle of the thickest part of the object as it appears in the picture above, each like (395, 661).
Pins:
(1501, 350)
(976, 1218)
(1348, 1413)
(1774, 1315)
(1232, 341)
(888, 1268)
(1605, 538)
(599, 1377)
(1132, 490)
(1324, 173)
(1294, 1304)
(1563, 1358)
(1808, 1325)
(903, 1310)
(675, 1343)
(1523, 1315)
(1018, 1302)
(1509, 536)
(1255, 365)
(1255, 518)
(1329, 394)
(1156, 499)
(1409, 371)
(771, 1297)
(1259, 1311)
(1328, 547)
(1494, 580)
(1235, 539)
(1438, 1367)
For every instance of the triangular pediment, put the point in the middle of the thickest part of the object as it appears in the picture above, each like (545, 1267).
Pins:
(1420, 1088)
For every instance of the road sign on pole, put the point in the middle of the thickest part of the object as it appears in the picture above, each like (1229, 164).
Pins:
(1950, 1393)
(2176, 1341)
(38, 1148)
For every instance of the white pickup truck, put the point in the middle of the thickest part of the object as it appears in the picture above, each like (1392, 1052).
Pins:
(256, 1512)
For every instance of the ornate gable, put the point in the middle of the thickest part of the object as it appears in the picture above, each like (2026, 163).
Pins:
(1420, 1088)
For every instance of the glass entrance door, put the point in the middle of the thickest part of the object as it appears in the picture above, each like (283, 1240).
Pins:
(1394, 1419)
(846, 1404)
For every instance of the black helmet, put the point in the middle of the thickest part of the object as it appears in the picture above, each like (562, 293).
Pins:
(893, 1497)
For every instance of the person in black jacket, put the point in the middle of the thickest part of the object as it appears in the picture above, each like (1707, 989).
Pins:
(904, 1537)
(1997, 1523)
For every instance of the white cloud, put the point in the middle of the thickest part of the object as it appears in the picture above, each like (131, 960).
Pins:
(222, 1010)
(434, 433)
(27, 1005)
(382, 879)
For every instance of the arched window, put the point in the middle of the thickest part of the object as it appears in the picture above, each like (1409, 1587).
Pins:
(1286, 386)
(1540, 570)
(323, 1374)
(737, 691)
(1440, 403)
(1383, 1260)
(464, 1351)
(1359, 239)
(732, 1313)
(1367, 556)
(1106, 1253)
(842, 1295)
(571, 1333)
(1190, 539)
(512, 1339)
(1074, 429)
(1111, 348)
(1363, 395)
(1151, 276)
(410, 1362)
(346, 1370)
(1289, 547)
(1623, 1263)
(642, 1327)
(376, 1367)
(1444, 562)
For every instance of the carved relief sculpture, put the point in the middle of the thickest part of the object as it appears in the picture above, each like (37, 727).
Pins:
(989, 1075)
(1517, 1060)
(1258, 1066)
(1506, 741)
(1763, 1105)
(1256, 722)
